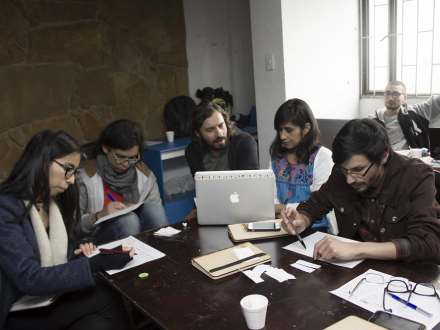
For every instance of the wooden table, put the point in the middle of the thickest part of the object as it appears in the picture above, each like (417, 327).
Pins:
(178, 296)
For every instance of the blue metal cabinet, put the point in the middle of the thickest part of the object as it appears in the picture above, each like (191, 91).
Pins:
(179, 206)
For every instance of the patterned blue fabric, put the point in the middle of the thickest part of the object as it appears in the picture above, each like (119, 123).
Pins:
(293, 182)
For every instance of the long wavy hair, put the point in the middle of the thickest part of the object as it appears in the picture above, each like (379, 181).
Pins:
(296, 112)
(29, 179)
(204, 111)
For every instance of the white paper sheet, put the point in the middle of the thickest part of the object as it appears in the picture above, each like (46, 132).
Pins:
(310, 242)
(117, 214)
(167, 232)
(279, 274)
(144, 252)
(370, 296)
(27, 302)
(255, 274)
(244, 253)
(308, 264)
(303, 268)
(431, 161)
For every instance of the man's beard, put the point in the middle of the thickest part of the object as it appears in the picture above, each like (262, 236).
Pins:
(368, 189)
(212, 145)
(393, 107)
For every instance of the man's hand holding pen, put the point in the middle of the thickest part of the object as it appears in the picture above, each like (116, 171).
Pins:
(298, 221)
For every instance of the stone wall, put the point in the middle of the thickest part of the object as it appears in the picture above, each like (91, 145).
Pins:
(79, 65)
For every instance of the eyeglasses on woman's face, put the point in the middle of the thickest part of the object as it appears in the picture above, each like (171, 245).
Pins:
(131, 160)
(69, 170)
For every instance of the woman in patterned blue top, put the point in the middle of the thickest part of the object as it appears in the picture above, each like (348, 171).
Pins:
(299, 161)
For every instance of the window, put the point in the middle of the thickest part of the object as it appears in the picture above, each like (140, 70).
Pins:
(400, 41)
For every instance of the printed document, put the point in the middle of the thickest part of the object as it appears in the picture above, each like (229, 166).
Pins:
(310, 242)
(370, 296)
(144, 252)
(117, 214)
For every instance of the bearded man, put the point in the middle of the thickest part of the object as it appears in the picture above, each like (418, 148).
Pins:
(217, 145)
(382, 199)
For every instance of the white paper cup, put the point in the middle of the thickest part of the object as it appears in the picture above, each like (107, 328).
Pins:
(416, 153)
(170, 136)
(254, 309)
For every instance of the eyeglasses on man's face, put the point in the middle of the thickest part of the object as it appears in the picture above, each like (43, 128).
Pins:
(393, 94)
(69, 170)
(131, 160)
(353, 174)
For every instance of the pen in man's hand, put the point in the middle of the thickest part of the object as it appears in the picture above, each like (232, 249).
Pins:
(297, 235)
(410, 305)
(111, 197)
(109, 251)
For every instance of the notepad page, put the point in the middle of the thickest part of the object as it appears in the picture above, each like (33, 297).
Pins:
(310, 242)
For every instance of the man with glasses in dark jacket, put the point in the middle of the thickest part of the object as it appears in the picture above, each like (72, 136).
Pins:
(385, 200)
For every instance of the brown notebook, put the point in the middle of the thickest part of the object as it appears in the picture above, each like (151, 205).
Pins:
(239, 233)
(354, 322)
(224, 262)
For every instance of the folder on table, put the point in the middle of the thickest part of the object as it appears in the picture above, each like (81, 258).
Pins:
(354, 322)
(239, 232)
(224, 262)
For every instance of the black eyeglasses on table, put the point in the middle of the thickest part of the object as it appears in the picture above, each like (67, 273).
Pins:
(400, 285)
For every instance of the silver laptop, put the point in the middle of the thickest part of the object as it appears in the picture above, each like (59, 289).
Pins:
(227, 197)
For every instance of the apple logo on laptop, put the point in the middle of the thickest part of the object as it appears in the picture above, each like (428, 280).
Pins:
(234, 198)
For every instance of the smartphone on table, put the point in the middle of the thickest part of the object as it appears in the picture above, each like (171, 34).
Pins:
(264, 226)
(394, 322)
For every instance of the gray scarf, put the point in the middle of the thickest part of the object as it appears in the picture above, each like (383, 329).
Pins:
(125, 184)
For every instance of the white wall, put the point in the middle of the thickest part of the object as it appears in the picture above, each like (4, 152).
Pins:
(321, 55)
(267, 38)
(219, 49)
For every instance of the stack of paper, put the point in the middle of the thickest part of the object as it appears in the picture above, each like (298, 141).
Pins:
(305, 266)
(167, 232)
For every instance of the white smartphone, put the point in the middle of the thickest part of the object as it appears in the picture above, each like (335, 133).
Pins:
(264, 226)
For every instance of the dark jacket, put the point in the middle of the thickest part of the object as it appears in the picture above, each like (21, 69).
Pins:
(242, 154)
(21, 273)
(414, 120)
(408, 208)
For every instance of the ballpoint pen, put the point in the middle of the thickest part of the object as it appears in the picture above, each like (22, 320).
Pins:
(109, 251)
(297, 235)
(111, 197)
(410, 305)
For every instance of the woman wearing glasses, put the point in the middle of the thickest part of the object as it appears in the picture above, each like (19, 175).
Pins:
(39, 221)
(299, 161)
(115, 180)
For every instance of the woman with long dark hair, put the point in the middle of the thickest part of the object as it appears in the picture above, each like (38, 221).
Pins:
(39, 221)
(299, 161)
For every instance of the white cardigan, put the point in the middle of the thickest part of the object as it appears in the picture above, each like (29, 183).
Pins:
(321, 171)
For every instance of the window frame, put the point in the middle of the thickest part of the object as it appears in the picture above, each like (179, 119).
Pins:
(392, 51)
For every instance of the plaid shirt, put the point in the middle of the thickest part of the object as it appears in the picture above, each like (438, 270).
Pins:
(370, 224)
